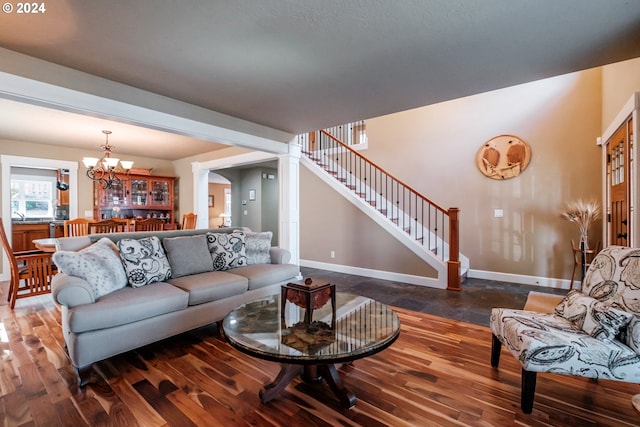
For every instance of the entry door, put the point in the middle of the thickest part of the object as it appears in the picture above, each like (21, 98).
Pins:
(618, 156)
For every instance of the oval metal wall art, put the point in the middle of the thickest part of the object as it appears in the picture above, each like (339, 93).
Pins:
(503, 157)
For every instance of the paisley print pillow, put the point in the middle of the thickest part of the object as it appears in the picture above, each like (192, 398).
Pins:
(227, 250)
(144, 261)
(595, 318)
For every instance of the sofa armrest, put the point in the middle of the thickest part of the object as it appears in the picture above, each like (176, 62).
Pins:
(71, 291)
(279, 255)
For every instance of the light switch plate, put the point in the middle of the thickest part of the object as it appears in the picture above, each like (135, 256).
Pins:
(498, 213)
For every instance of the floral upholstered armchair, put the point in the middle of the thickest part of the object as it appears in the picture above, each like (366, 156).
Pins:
(593, 333)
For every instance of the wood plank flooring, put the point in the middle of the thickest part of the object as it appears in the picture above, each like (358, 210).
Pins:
(436, 374)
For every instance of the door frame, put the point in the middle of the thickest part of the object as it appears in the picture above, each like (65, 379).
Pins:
(630, 109)
(6, 162)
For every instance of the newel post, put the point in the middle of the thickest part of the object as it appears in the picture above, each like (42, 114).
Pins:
(453, 264)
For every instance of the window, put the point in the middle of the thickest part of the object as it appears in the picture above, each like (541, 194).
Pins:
(32, 196)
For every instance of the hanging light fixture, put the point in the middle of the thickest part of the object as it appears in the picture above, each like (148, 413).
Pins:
(104, 170)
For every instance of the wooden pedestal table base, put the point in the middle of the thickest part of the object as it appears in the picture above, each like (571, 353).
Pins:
(309, 373)
(350, 329)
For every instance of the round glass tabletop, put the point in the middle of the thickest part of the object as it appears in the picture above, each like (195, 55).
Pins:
(354, 328)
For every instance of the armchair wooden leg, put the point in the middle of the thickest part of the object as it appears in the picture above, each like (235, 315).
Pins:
(496, 346)
(528, 390)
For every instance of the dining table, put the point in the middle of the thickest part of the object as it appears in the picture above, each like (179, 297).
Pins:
(47, 245)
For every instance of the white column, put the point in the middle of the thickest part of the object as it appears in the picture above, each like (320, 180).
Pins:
(289, 199)
(200, 194)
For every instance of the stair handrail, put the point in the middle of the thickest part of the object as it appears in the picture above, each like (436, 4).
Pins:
(407, 186)
(453, 263)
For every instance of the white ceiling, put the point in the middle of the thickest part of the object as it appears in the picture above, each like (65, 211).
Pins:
(300, 65)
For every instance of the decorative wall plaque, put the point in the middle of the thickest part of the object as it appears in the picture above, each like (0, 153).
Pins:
(503, 157)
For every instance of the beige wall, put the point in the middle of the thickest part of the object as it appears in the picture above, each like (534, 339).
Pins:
(433, 149)
(85, 190)
(183, 169)
(619, 82)
(217, 191)
(330, 223)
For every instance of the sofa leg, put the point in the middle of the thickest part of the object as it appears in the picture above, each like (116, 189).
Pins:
(496, 346)
(84, 375)
(220, 329)
(528, 391)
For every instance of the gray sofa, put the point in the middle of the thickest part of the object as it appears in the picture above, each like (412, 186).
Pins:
(121, 291)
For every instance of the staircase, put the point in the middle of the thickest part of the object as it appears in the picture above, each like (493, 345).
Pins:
(429, 230)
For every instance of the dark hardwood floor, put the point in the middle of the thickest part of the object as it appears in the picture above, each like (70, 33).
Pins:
(436, 374)
(473, 304)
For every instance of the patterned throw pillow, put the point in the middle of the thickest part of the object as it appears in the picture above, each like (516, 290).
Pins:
(595, 318)
(98, 264)
(633, 334)
(144, 261)
(227, 250)
(257, 246)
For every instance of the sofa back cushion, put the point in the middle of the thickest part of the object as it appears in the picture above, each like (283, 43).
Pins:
(227, 250)
(257, 245)
(188, 255)
(144, 261)
(98, 264)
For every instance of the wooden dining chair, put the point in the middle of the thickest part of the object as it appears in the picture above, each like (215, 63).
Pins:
(149, 224)
(31, 271)
(189, 221)
(128, 223)
(77, 227)
(106, 226)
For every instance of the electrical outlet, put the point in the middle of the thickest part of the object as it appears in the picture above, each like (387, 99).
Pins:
(333, 254)
(498, 213)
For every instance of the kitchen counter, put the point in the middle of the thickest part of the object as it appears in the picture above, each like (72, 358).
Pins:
(23, 233)
(38, 221)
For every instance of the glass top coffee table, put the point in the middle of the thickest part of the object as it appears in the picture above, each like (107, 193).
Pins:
(349, 328)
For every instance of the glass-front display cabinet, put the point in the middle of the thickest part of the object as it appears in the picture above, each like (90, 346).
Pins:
(136, 196)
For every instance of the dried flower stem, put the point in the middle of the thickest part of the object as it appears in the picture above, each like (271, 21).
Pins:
(583, 214)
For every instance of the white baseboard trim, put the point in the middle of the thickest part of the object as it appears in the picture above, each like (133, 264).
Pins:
(376, 274)
(433, 282)
(519, 278)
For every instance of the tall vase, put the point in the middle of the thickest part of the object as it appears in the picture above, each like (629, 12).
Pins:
(584, 245)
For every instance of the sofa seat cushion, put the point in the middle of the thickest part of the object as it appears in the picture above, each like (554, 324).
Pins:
(550, 343)
(261, 275)
(127, 305)
(211, 286)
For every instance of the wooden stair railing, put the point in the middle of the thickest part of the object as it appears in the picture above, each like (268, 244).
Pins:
(427, 222)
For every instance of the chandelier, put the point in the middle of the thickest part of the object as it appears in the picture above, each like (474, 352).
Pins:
(104, 170)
